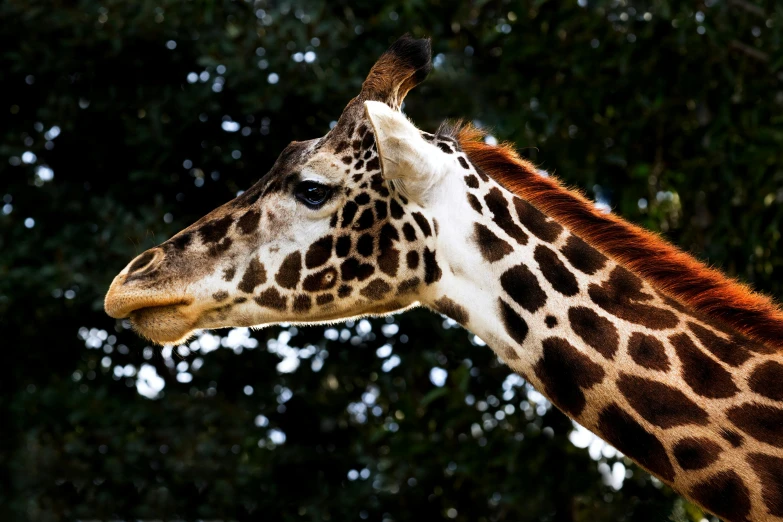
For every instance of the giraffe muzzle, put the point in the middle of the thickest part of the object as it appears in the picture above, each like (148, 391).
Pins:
(140, 287)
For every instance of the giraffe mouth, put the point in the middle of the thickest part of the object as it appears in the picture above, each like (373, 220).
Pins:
(167, 324)
(158, 314)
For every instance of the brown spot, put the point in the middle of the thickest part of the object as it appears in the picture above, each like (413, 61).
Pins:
(445, 148)
(724, 494)
(753, 346)
(290, 271)
(324, 299)
(762, 422)
(463, 163)
(381, 209)
(732, 437)
(362, 199)
(271, 298)
(660, 404)
(387, 237)
(726, 350)
(481, 173)
(492, 247)
(389, 261)
(365, 245)
(359, 164)
(474, 202)
(565, 372)
(522, 286)
(550, 321)
(388, 256)
(412, 259)
(536, 221)
(376, 289)
(351, 269)
(374, 164)
(215, 249)
(498, 206)
(561, 279)
(379, 185)
(515, 326)
(368, 140)
(472, 181)
(240, 300)
(366, 220)
(322, 280)
(424, 225)
(451, 309)
(396, 209)
(767, 380)
(409, 232)
(319, 252)
(409, 285)
(248, 223)
(596, 331)
(349, 212)
(221, 311)
(582, 256)
(343, 246)
(620, 430)
(432, 271)
(648, 352)
(229, 273)
(510, 354)
(214, 231)
(220, 296)
(340, 147)
(254, 275)
(181, 241)
(705, 376)
(769, 469)
(302, 303)
(621, 296)
(696, 452)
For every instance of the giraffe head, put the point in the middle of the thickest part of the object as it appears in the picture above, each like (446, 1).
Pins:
(337, 228)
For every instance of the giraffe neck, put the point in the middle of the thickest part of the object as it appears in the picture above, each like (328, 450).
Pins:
(691, 400)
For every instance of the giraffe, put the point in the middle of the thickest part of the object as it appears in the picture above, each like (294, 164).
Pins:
(677, 366)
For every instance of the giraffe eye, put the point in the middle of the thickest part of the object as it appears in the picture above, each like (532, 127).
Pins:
(312, 194)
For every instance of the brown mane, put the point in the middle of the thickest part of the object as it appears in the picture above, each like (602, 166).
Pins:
(672, 271)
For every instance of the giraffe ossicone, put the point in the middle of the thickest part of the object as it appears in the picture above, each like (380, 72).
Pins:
(677, 366)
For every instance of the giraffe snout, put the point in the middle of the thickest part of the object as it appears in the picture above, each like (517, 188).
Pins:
(140, 286)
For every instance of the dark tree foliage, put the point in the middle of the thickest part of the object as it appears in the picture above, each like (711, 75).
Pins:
(122, 122)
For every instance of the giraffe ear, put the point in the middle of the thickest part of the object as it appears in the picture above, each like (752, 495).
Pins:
(403, 152)
(403, 66)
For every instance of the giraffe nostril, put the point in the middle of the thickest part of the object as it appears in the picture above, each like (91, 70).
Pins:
(142, 261)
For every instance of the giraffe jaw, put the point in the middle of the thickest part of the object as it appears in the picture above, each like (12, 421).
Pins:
(163, 324)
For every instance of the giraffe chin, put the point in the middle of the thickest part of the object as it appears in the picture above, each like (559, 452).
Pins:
(162, 324)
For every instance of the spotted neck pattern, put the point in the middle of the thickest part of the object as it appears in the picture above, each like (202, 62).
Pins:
(688, 398)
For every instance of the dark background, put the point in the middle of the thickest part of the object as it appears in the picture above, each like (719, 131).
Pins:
(122, 122)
